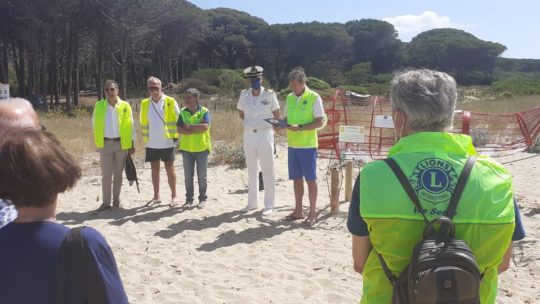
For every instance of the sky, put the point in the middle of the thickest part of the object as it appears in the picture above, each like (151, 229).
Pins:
(515, 24)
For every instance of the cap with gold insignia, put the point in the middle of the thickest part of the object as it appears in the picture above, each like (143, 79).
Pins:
(253, 71)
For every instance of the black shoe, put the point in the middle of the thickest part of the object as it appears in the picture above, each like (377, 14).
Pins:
(103, 207)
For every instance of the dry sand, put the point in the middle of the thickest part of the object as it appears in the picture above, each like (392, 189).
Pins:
(218, 255)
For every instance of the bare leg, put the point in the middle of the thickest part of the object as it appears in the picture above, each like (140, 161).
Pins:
(155, 178)
(298, 196)
(312, 194)
(171, 178)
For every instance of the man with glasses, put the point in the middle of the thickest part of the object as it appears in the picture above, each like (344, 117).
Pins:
(15, 114)
(114, 134)
(159, 114)
(254, 105)
(194, 125)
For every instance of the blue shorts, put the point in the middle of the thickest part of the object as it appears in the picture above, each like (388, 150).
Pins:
(303, 163)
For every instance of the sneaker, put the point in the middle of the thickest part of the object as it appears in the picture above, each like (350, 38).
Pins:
(247, 209)
(267, 211)
(201, 205)
(116, 204)
(188, 203)
(103, 207)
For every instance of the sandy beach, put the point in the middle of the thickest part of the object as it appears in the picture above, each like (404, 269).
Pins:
(218, 255)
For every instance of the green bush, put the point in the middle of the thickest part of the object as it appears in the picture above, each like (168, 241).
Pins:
(517, 84)
(225, 81)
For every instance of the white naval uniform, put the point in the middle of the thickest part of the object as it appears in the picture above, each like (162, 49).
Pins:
(259, 143)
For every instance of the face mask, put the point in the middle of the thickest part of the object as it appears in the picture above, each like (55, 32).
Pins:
(255, 83)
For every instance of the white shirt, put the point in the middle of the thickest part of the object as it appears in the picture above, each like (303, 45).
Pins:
(256, 108)
(112, 130)
(156, 134)
(8, 213)
(318, 109)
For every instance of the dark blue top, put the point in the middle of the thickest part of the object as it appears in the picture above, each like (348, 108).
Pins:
(358, 227)
(29, 263)
(206, 116)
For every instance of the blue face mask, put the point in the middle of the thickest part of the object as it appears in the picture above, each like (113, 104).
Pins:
(255, 83)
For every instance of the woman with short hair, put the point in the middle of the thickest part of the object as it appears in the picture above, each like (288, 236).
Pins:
(34, 169)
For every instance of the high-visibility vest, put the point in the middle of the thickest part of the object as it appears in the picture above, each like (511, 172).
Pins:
(432, 162)
(301, 113)
(125, 123)
(169, 117)
(197, 142)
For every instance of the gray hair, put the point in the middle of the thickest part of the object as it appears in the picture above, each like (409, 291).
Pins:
(111, 82)
(154, 79)
(193, 92)
(427, 97)
(17, 113)
(298, 74)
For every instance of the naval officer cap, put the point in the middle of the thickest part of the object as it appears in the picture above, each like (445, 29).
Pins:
(253, 71)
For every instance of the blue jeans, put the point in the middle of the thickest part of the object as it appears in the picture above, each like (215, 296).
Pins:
(190, 159)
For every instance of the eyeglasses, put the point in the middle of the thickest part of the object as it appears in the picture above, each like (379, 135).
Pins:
(110, 89)
(153, 88)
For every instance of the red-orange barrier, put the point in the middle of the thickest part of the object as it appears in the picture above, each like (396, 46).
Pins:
(490, 132)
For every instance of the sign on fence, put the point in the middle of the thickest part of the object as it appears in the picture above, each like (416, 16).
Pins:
(4, 91)
(352, 134)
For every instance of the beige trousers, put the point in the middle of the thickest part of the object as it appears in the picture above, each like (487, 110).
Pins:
(112, 160)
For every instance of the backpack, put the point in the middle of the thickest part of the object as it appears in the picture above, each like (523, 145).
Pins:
(77, 272)
(442, 269)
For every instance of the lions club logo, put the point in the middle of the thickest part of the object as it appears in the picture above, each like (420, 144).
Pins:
(434, 180)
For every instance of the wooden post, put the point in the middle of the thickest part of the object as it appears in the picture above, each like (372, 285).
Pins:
(348, 180)
(334, 190)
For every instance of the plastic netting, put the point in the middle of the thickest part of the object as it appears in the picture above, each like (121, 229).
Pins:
(491, 133)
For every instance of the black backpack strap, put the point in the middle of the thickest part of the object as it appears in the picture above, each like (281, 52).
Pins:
(391, 277)
(460, 185)
(406, 185)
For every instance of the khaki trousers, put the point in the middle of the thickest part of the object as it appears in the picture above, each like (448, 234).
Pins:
(112, 160)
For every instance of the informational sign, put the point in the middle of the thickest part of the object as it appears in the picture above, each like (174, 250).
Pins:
(384, 121)
(4, 91)
(351, 134)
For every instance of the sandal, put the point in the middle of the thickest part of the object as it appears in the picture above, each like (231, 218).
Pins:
(153, 202)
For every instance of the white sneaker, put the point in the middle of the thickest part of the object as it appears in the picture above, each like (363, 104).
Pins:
(201, 204)
(247, 209)
(267, 211)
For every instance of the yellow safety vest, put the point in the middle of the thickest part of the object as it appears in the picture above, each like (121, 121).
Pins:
(197, 142)
(301, 113)
(432, 161)
(125, 123)
(169, 116)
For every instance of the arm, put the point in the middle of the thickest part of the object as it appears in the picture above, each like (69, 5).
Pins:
(361, 247)
(317, 123)
(519, 234)
(505, 264)
(133, 133)
(104, 266)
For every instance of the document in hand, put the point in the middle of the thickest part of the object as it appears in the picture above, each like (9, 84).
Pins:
(276, 122)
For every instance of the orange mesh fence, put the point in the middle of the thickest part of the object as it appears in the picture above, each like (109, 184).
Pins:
(372, 118)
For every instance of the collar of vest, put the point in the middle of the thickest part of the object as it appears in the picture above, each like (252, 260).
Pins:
(460, 144)
(199, 107)
(304, 95)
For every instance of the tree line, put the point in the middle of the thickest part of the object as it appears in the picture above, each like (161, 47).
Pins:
(59, 47)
